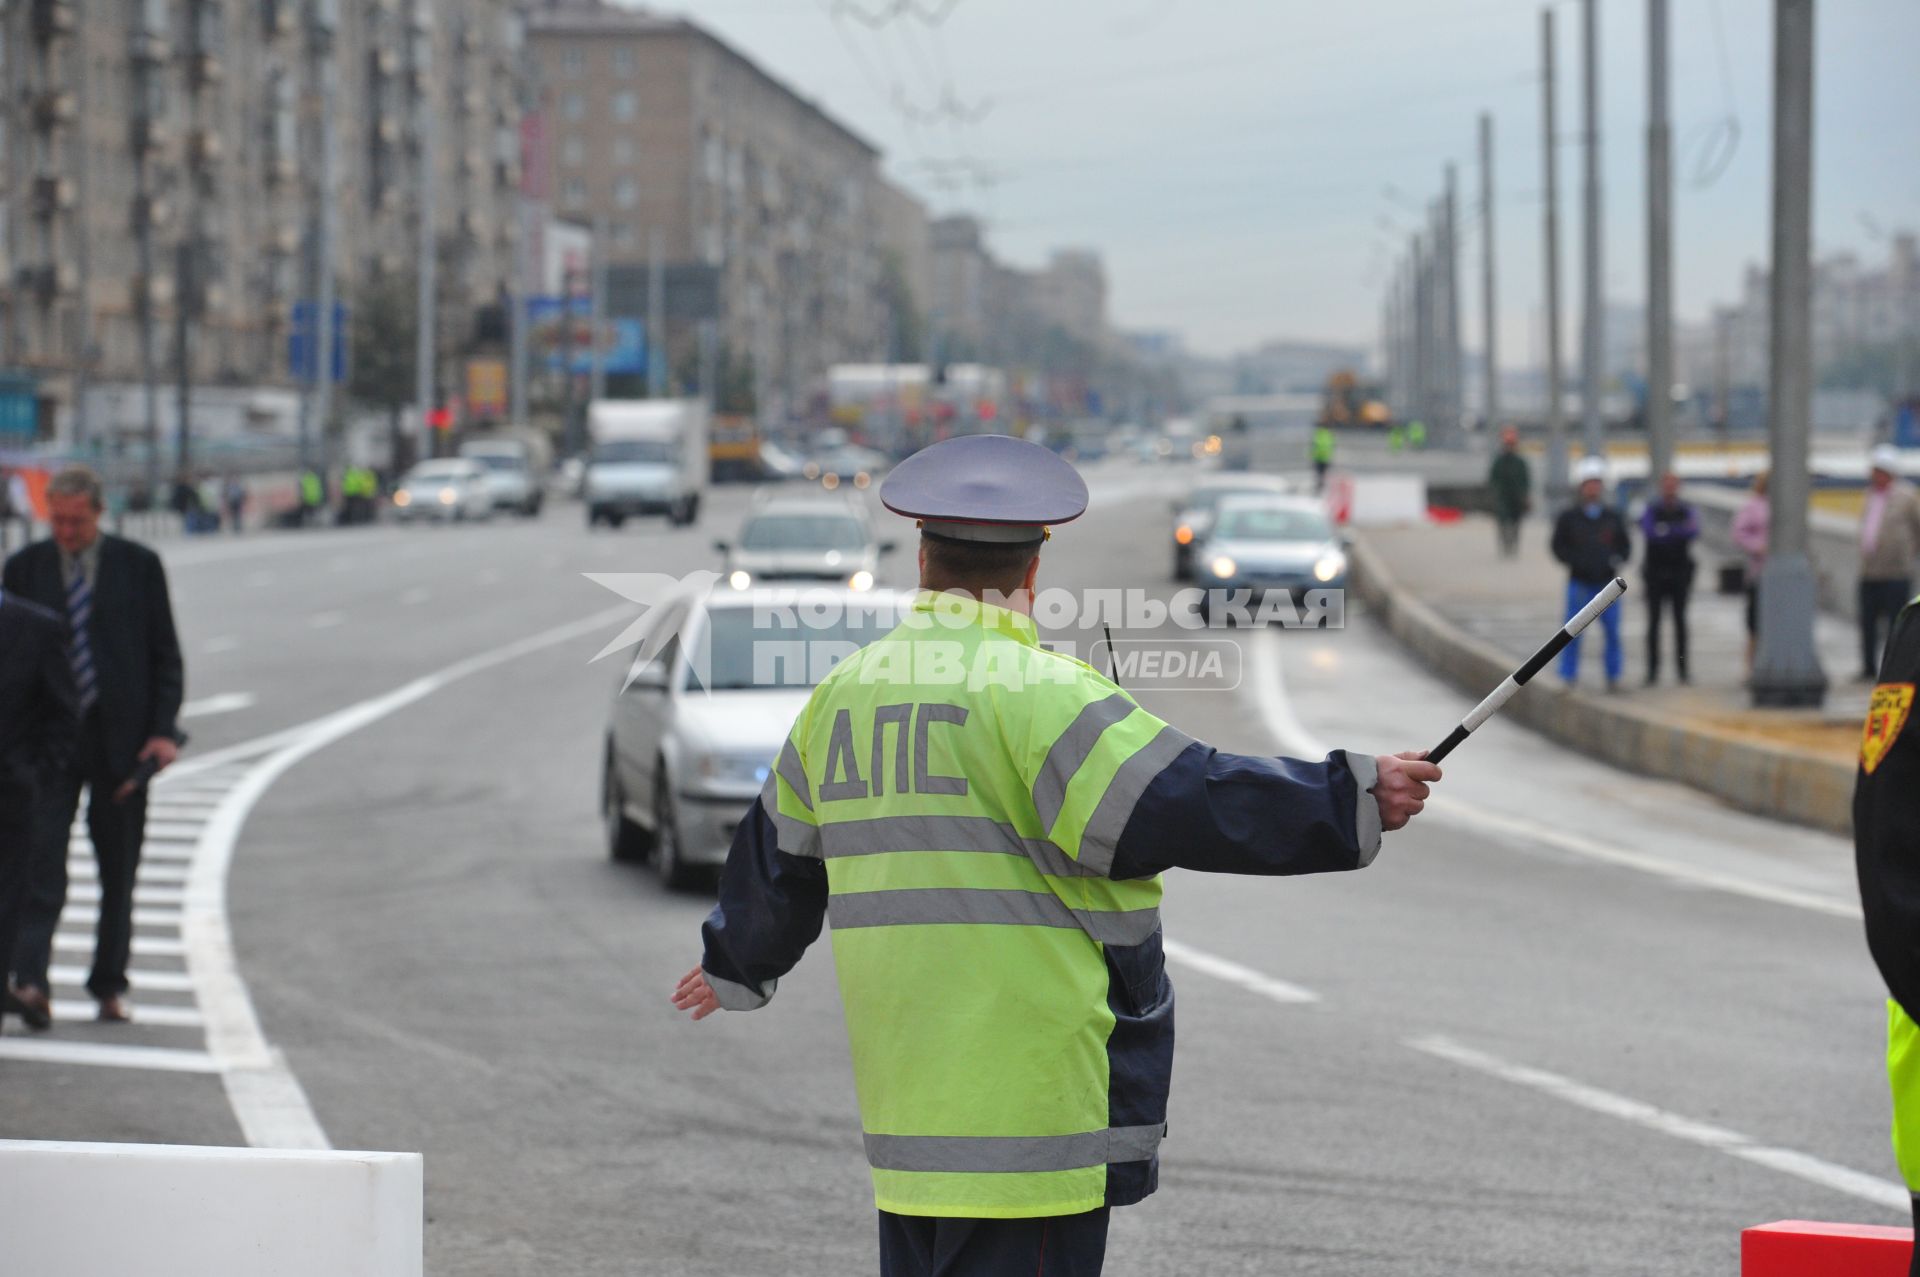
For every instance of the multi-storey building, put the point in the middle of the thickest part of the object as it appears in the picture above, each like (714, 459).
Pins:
(164, 155)
(677, 146)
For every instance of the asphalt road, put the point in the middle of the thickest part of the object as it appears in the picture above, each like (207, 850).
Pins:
(1573, 1022)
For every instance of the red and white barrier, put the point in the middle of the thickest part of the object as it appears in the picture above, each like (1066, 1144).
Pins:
(1802, 1248)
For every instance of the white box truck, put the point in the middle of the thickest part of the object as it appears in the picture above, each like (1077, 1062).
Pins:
(646, 456)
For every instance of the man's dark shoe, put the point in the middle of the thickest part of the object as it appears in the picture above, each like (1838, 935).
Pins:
(114, 1010)
(31, 1005)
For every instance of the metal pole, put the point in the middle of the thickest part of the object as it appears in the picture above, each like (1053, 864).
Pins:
(517, 318)
(656, 316)
(1553, 478)
(323, 247)
(144, 69)
(597, 312)
(183, 357)
(1660, 438)
(1420, 405)
(427, 250)
(1453, 420)
(82, 242)
(1487, 300)
(1786, 668)
(1592, 339)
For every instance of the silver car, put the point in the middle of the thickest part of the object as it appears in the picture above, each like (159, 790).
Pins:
(1259, 544)
(695, 728)
(450, 490)
(1193, 513)
(804, 539)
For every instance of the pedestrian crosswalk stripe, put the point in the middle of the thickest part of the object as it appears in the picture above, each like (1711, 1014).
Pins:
(88, 916)
(72, 977)
(66, 1010)
(107, 1055)
(143, 946)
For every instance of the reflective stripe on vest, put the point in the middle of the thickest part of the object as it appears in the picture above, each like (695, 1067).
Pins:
(980, 1154)
(969, 906)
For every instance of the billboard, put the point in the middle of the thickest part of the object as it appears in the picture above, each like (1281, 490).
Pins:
(560, 338)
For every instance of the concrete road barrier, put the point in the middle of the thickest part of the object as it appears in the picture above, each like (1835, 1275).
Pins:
(1756, 776)
(166, 1210)
(1802, 1248)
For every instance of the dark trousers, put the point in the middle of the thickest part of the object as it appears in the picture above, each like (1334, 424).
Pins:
(1667, 594)
(1051, 1246)
(116, 830)
(16, 855)
(1509, 525)
(1880, 604)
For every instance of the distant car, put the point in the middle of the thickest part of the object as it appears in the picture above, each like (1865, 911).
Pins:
(450, 490)
(804, 539)
(776, 463)
(1193, 513)
(1266, 543)
(846, 464)
(694, 731)
(509, 475)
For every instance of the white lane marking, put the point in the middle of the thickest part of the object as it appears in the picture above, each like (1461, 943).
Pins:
(1233, 973)
(86, 891)
(224, 703)
(143, 946)
(1270, 694)
(87, 916)
(326, 620)
(267, 1100)
(215, 646)
(107, 1055)
(155, 981)
(1814, 1170)
(167, 1017)
(417, 595)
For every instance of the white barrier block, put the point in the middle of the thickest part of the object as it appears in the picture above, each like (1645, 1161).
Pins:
(1389, 498)
(164, 1210)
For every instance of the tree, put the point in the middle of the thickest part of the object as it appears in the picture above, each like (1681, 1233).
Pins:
(382, 337)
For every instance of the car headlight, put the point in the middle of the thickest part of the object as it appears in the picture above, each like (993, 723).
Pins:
(862, 479)
(403, 498)
(742, 769)
(829, 481)
(1330, 565)
(448, 496)
(739, 579)
(861, 580)
(1183, 534)
(811, 470)
(1223, 567)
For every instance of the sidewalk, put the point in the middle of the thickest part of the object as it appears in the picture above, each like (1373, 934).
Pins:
(1446, 593)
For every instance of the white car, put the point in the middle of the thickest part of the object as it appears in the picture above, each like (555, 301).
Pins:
(509, 475)
(1193, 513)
(695, 729)
(450, 490)
(804, 538)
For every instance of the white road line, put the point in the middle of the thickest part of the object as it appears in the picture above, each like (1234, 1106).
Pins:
(143, 946)
(1270, 694)
(83, 870)
(224, 703)
(326, 620)
(1826, 1174)
(267, 1100)
(107, 1055)
(86, 891)
(174, 830)
(87, 916)
(166, 1017)
(154, 981)
(1233, 973)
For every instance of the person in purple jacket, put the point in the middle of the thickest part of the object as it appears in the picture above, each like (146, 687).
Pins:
(1670, 526)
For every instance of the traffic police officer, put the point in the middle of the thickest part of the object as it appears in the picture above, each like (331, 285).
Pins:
(985, 823)
(1886, 839)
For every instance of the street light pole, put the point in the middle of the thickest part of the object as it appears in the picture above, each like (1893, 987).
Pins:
(1592, 337)
(1554, 481)
(1786, 669)
(1488, 303)
(1660, 434)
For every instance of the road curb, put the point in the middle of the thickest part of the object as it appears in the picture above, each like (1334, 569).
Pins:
(1754, 776)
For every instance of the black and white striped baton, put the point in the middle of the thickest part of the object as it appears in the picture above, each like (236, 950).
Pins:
(1533, 665)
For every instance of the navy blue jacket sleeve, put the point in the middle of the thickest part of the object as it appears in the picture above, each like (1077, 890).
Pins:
(772, 904)
(1246, 814)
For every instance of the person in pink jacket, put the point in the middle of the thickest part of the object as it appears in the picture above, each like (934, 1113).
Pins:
(1750, 523)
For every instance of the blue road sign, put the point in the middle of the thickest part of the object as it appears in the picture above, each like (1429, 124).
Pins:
(302, 340)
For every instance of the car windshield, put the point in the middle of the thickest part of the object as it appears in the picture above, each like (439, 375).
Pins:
(1274, 525)
(635, 451)
(1209, 499)
(445, 472)
(767, 647)
(803, 532)
(499, 460)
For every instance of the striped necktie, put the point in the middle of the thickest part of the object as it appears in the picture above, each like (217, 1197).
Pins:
(79, 645)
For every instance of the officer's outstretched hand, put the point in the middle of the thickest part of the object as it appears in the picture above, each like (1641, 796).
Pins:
(694, 994)
(1402, 789)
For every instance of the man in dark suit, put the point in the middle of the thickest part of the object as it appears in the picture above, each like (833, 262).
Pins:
(39, 720)
(128, 680)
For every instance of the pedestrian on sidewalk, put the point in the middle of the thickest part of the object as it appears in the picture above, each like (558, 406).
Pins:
(233, 495)
(1511, 484)
(38, 720)
(1670, 526)
(129, 678)
(1886, 846)
(1889, 540)
(1751, 523)
(1591, 538)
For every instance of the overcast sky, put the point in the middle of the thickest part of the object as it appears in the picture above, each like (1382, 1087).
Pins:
(1235, 161)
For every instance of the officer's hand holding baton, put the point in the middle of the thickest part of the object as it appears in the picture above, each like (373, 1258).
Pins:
(1401, 789)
